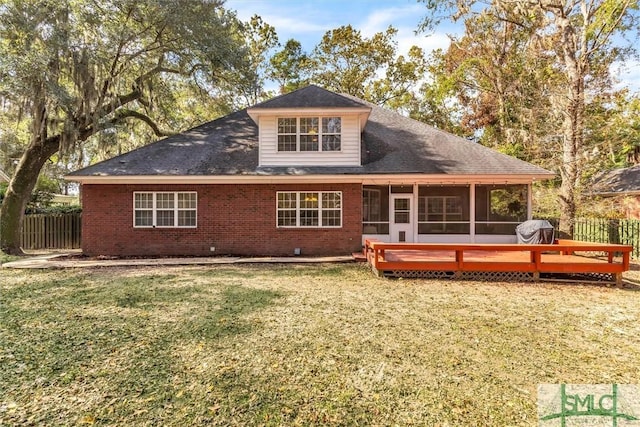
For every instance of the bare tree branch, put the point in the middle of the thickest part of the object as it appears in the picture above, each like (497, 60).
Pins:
(126, 113)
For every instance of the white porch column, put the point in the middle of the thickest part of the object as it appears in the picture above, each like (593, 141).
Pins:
(529, 201)
(472, 212)
(414, 212)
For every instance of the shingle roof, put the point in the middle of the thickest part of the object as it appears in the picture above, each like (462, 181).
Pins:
(391, 144)
(617, 181)
(310, 96)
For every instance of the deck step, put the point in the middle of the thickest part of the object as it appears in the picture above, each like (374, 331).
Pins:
(359, 257)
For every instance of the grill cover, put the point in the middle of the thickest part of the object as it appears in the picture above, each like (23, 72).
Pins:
(535, 231)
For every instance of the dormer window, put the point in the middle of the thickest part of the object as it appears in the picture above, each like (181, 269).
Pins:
(309, 133)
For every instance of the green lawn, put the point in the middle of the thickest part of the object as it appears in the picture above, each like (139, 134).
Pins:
(7, 258)
(298, 345)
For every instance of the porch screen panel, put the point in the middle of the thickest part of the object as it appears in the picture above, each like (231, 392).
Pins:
(375, 209)
(443, 210)
(500, 208)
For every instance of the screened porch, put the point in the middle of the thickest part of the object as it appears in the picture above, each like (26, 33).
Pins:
(437, 213)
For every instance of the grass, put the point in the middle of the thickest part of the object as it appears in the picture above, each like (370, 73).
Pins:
(298, 345)
(7, 258)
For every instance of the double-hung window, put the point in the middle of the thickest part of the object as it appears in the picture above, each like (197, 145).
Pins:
(309, 134)
(165, 209)
(309, 209)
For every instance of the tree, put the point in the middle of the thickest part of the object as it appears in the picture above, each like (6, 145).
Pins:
(437, 104)
(368, 68)
(613, 131)
(290, 67)
(579, 34)
(246, 84)
(498, 84)
(78, 69)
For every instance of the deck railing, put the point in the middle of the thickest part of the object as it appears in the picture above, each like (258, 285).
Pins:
(537, 261)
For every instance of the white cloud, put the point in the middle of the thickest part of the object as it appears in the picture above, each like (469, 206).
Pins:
(380, 19)
(307, 21)
(405, 19)
(427, 43)
(298, 20)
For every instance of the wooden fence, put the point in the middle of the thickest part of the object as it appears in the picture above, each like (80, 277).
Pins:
(51, 231)
(62, 231)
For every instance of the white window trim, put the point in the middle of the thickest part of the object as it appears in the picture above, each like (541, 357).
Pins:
(155, 209)
(298, 134)
(320, 209)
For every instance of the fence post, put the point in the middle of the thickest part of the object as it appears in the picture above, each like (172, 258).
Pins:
(614, 231)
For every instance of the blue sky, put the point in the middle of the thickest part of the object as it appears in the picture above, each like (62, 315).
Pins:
(308, 20)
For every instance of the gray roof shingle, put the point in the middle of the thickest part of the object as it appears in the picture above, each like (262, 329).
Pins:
(310, 96)
(391, 144)
(617, 181)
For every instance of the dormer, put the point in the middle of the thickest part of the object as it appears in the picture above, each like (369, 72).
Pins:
(310, 127)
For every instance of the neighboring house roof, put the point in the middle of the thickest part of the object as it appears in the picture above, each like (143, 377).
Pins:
(617, 182)
(4, 177)
(391, 144)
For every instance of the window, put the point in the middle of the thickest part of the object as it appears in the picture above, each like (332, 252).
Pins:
(443, 210)
(287, 134)
(309, 133)
(309, 209)
(164, 209)
(331, 131)
(401, 210)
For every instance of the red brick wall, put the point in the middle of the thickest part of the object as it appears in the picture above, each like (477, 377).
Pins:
(235, 219)
(631, 206)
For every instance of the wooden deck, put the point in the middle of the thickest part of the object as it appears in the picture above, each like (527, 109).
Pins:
(564, 257)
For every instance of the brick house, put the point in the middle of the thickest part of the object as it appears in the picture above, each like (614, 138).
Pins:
(622, 188)
(311, 172)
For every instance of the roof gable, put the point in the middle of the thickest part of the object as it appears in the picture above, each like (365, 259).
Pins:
(311, 96)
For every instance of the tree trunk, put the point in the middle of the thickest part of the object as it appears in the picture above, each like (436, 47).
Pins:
(19, 192)
(571, 145)
(568, 173)
(572, 47)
